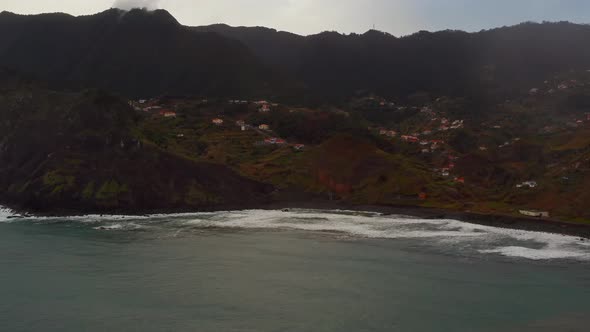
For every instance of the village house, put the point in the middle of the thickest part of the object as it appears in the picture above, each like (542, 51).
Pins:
(411, 139)
(457, 124)
(168, 114)
(533, 91)
(240, 123)
(152, 109)
(275, 141)
(483, 148)
(460, 180)
(264, 108)
(424, 143)
(264, 127)
(391, 133)
(535, 214)
(529, 184)
(299, 147)
(383, 132)
(217, 121)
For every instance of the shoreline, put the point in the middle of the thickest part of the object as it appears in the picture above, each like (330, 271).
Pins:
(494, 220)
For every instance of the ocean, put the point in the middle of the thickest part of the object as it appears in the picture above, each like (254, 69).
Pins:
(299, 270)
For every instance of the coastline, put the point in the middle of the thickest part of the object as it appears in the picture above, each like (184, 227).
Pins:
(494, 220)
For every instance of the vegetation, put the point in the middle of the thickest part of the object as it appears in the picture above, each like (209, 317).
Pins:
(447, 119)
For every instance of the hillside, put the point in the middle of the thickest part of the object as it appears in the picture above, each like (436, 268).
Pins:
(131, 111)
(91, 151)
(84, 152)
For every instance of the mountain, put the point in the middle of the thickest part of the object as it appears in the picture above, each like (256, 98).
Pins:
(136, 53)
(142, 53)
(502, 60)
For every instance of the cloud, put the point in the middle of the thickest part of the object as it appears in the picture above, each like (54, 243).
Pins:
(130, 4)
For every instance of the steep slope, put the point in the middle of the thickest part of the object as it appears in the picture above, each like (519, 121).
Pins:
(81, 152)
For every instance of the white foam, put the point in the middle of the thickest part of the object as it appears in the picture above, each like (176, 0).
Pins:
(119, 226)
(440, 232)
(538, 254)
(5, 213)
(531, 245)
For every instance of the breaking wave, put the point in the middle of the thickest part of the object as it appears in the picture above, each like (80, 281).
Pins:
(447, 233)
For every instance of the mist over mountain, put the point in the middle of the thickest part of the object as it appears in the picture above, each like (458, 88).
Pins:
(133, 4)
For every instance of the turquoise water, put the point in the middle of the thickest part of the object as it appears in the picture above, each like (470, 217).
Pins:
(296, 271)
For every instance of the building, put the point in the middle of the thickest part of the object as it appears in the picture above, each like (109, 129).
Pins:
(168, 114)
(274, 141)
(217, 121)
(240, 123)
(264, 108)
(529, 184)
(411, 139)
(460, 180)
(391, 133)
(264, 127)
(299, 147)
(535, 214)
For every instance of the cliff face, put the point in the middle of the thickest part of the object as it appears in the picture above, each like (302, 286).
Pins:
(81, 152)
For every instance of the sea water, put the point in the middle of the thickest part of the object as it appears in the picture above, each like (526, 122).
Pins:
(299, 270)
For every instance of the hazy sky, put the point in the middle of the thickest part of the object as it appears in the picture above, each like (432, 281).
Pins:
(399, 17)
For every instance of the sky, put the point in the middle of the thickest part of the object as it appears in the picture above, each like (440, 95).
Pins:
(398, 17)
